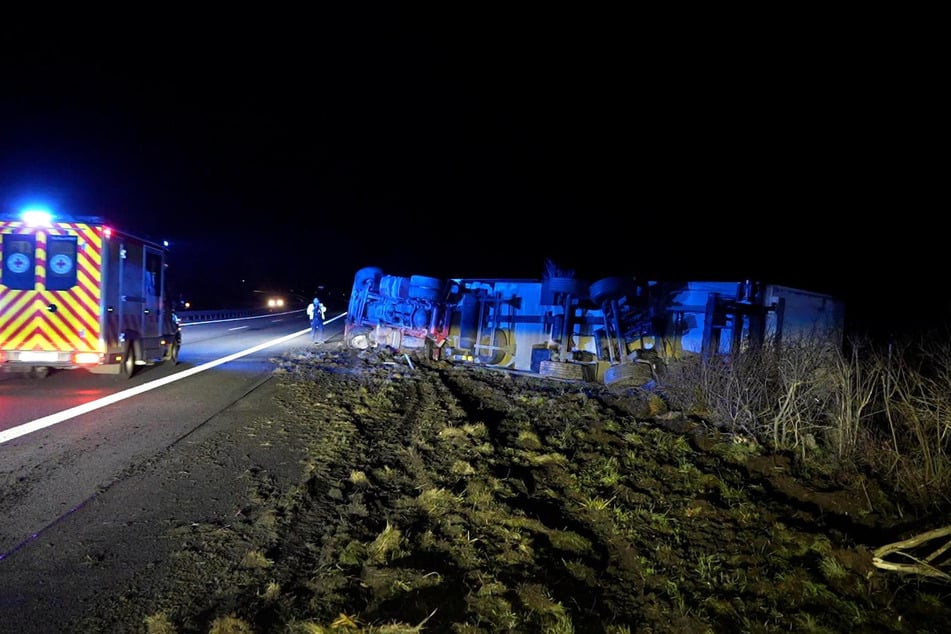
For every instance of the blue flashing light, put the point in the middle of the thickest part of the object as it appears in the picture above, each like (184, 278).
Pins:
(37, 217)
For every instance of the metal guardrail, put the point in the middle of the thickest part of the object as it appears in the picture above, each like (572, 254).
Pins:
(222, 314)
(192, 316)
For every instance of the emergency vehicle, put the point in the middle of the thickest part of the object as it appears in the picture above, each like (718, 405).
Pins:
(76, 293)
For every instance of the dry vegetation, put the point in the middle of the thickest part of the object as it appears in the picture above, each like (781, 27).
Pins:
(798, 492)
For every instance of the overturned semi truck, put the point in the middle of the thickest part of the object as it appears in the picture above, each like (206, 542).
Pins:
(610, 330)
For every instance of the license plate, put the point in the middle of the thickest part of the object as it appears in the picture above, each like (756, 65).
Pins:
(45, 357)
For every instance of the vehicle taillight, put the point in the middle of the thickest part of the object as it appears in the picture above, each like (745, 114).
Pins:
(87, 358)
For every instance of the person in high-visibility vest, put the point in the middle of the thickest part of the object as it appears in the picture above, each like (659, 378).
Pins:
(316, 312)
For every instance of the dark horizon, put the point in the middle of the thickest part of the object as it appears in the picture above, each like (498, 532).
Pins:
(480, 145)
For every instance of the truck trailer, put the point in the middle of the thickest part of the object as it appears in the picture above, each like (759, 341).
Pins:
(75, 293)
(613, 330)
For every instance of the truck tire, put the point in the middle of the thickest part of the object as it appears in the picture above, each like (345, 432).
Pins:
(359, 339)
(628, 374)
(568, 285)
(127, 367)
(555, 290)
(561, 370)
(500, 340)
(422, 287)
(368, 275)
(611, 288)
(394, 286)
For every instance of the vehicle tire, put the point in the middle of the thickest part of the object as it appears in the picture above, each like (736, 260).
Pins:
(369, 275)
(569, 285)
(394, 286)
(611, 288)
(40, 371)
(359, 340)
(495, 357)
(422, 287)
(555, 290)
(633, 374)
(561, 370)
(127, 367)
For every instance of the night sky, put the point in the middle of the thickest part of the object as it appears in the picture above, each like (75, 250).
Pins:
(286, 152)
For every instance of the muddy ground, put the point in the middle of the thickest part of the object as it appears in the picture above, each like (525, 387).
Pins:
(440, 498)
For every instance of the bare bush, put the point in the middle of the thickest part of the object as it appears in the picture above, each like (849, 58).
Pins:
(853, 399)
(804, 384)
(729, 394)
(888, 408)
(777, 394)
(916, 386)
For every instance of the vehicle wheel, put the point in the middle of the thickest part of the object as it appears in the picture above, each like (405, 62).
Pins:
(569, 285)
(40, 371)
(359, 340)
(555, 290)
(127, 369)
(628, 374)
(368, 276)
(561, 370)
(611, 288)
(423, 287)
(394, 286)
(499, 341)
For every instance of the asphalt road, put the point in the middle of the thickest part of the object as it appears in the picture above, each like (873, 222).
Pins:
(65, 454)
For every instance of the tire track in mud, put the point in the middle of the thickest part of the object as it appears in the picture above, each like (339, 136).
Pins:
(483, 398)
(394, 416)
(534, 424)
(517, 495)
(460, 498)
(719, 486)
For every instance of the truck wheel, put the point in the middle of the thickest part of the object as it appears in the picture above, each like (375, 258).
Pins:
(611, 288)
(567, 285)
(423, 287)
(554, 290)
(628, 375)
(368, 276)
(127, 369)
(495, 357)
(359, 339)
(561, 370)
(40, 371)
